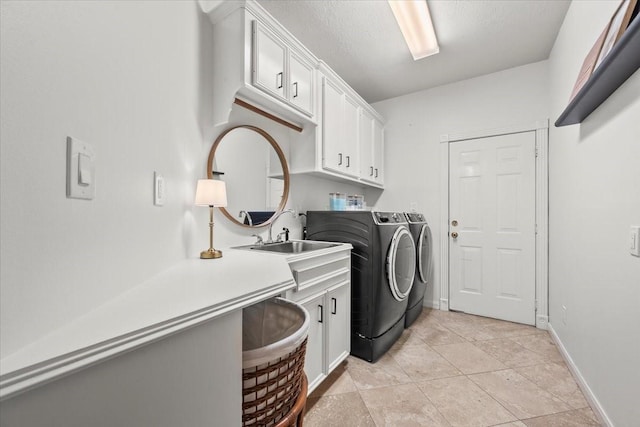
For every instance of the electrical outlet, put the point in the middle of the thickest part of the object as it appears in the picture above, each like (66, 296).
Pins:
(564, 314)
(159, 190)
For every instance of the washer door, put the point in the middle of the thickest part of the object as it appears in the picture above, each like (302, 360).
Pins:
(425, 261)
(401, 263)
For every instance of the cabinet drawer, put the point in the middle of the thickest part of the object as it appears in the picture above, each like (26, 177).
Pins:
(320, 284)
(308, 274)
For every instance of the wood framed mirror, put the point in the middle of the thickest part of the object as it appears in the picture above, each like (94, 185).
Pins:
(256, 174)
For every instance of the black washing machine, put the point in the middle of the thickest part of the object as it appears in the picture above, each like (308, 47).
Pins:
(424, 263)
(382, 273)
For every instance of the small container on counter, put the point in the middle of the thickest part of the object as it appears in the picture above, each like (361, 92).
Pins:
(351, 203)
(355, 202)
(359, 201)
(337, 201)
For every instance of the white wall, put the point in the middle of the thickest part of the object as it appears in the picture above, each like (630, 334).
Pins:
(415, 123)
(134, 80)
(593, 179)
(130, 78)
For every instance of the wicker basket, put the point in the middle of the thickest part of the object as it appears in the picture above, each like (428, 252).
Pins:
(272, 373)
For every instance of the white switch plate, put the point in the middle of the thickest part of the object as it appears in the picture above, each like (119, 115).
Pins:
(634, 240)
(81, 180)
(159, 190)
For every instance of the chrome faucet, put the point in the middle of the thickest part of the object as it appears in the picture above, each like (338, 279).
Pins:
(275, 218)
(247, 215)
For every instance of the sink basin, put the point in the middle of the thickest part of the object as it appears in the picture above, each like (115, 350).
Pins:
(293, 247)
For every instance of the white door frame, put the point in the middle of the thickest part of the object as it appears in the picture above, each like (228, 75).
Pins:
(541, 129)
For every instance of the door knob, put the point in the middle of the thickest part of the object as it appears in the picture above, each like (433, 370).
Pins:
(454, 234)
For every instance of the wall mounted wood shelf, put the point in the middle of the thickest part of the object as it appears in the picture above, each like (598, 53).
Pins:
(615, 69)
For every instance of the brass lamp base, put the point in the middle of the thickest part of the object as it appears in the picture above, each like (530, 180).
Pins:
(211, 254)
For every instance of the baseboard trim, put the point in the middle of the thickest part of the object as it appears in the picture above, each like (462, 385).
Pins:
(431, 304)
(582, 383)
(542, 322)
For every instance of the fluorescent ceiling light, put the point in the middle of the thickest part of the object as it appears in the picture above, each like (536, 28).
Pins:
(415, 23)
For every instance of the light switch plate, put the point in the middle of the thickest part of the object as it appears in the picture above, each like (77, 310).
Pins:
(159, 190)
(81, 180)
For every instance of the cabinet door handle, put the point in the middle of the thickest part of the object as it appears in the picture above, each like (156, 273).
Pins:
(320, 312)
(371, 174)
(279, 80)
(295, 87)
(348, 161)
(334, 303)
(340, 161)
(376, 172)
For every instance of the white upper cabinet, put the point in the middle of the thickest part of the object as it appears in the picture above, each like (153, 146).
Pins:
(332, 116)
(301, 83)
(371, 140)
(269, 54)
(339, 129)
(378, 151)
(259, 62)
(351, 116)
(348, 143)
(280, 71)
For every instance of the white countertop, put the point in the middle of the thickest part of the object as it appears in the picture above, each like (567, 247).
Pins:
(187, 294)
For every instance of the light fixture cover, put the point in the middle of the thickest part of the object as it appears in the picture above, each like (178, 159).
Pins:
(417, 28)
(211, 192)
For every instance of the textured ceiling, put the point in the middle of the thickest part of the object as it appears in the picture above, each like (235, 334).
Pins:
(361, 41)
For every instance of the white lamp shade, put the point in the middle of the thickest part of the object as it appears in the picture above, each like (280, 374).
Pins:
(211, 192)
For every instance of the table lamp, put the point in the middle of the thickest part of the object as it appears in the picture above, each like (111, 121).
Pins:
(212, 193)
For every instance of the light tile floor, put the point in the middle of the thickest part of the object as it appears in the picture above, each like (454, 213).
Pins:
(455, 369)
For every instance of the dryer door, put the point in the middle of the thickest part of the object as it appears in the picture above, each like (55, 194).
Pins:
(401, 263)
(425, 260)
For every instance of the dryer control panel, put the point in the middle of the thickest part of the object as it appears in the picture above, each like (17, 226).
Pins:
(415, 217)
(382, 218)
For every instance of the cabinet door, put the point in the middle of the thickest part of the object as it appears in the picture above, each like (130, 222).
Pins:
(269, 55)
(314, 359)
(351, 142)
(378, 152)
(367, 171)
(338, 309)
(333, 149)
(301, 84)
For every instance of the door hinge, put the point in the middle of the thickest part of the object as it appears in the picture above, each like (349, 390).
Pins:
(536, 152)
(536, 229)
(536, 306)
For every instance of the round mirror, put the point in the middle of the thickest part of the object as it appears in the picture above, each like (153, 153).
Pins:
(255, 171)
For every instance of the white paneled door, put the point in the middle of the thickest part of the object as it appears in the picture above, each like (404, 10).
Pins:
(492, 227)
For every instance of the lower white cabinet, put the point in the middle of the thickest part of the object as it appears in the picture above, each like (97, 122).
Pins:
(314, 360)
(338, 339)
(324, 289)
